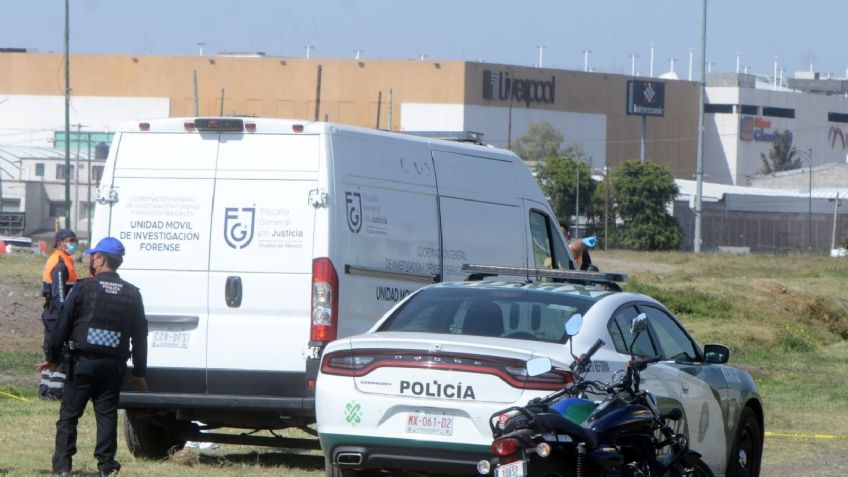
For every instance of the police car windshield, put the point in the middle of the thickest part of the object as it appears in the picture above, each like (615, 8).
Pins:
(505, 313)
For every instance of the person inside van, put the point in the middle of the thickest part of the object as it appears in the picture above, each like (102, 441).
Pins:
(580, 249)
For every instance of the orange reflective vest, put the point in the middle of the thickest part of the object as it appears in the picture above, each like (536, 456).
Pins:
(51, 264)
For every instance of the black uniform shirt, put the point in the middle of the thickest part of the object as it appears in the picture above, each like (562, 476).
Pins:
(65, 325)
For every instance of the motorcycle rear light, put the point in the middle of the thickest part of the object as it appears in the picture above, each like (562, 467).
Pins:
(505, 447)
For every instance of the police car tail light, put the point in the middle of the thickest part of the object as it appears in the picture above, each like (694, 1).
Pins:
(550, 381)
(325, 301)
(345, 364)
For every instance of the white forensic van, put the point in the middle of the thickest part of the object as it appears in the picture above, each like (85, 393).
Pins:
(256, 242)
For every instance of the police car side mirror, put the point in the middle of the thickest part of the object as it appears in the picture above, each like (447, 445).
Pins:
(716, 354)
(538, 366)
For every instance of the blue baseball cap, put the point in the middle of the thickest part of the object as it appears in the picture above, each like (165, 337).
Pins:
(63, 234)
(109, 246)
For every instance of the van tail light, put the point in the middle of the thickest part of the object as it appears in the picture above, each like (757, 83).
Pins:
(325, 301)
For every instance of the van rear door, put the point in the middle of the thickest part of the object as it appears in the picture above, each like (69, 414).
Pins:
(162, 187)
(260, 265)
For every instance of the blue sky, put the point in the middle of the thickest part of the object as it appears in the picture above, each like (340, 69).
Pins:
(496, 31)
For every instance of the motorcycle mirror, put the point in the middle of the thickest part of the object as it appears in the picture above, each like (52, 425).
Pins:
(538, 366)
(639, 324)
(673, 415)
(574, 324)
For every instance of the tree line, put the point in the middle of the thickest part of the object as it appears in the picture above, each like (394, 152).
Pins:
(626, 209)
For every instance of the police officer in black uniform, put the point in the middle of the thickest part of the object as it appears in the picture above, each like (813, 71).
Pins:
(100, 317)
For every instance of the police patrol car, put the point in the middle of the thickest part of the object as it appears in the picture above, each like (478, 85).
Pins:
(416, 392)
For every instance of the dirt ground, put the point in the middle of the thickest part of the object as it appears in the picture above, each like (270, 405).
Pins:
(20, 318)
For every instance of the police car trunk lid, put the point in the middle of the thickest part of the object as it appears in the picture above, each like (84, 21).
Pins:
(446, 367)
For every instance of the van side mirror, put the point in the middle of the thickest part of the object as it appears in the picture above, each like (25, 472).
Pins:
(538, 366)
(716, 353)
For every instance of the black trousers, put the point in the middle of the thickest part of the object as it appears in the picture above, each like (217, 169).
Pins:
(97, 379)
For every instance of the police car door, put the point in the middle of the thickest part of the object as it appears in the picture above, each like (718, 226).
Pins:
(260, 263)
(156, 198)
(695, 385)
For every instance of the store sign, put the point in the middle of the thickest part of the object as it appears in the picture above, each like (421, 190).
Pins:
(499, 85)
(646, 98)
(756, 129)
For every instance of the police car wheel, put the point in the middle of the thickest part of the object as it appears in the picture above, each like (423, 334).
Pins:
(148, 440)
(747, 451)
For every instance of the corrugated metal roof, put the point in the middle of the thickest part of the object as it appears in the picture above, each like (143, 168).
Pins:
(714, 192)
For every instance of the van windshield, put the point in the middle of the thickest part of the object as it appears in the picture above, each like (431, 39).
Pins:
(506, 313)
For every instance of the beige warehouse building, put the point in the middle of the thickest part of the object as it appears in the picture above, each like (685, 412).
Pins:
(498, 100)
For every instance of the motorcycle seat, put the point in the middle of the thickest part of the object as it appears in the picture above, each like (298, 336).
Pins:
(564, 426)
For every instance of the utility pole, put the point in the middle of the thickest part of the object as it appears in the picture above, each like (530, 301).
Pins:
(633, 57)
(196, 106)
(607, 186)
(836, 205)
(79, 127)
(88, 199)
(67, 116)
(699, 161)
(586, 53)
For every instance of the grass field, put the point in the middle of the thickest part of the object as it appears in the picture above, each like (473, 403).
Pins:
(785, 317)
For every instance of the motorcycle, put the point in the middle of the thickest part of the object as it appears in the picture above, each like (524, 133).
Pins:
(566, 434)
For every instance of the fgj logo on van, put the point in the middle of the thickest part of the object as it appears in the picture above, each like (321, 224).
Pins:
(354, 211)
(238, 226)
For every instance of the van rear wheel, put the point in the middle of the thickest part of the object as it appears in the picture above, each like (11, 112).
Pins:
(149, 440)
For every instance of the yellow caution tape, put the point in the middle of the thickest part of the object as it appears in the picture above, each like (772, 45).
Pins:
(13, 396)
(801, 435)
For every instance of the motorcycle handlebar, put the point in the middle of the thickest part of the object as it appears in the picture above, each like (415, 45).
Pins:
(584, 359)
(640, 364)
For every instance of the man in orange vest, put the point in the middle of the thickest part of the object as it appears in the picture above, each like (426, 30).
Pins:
(58, 277)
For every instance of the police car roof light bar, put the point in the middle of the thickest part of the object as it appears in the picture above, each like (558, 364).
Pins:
(566, 275)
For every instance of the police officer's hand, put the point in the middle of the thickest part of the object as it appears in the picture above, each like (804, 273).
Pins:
(46, 366)
(140, 384)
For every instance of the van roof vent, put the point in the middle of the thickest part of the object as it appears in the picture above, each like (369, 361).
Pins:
(458, 136)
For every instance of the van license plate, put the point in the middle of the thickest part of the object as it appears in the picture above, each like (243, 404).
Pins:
(426, 423)
(170, 339)
(516, 469)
